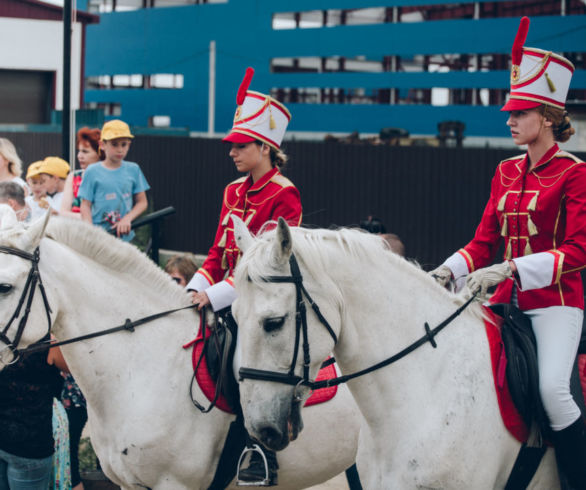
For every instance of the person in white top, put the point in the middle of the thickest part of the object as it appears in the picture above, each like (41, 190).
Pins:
(10, 164)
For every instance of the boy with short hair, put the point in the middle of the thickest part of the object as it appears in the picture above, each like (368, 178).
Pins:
(38, 201)
(55, 170)
(113, 191)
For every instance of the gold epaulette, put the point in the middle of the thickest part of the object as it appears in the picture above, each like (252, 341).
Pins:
(282, 181)
(565, 154)
(238, 181)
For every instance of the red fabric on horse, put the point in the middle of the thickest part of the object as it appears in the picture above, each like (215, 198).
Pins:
(208, 385)
(509, 413)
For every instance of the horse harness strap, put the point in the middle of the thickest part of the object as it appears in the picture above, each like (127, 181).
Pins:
(128, 325)
(301, 321)
(33, 280)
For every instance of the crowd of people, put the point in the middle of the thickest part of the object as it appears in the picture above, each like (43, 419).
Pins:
(537, 207)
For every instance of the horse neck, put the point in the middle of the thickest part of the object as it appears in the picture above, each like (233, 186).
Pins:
(96, 298)
(377, 326)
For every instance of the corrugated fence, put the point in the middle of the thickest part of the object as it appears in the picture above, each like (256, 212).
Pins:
(431, 197)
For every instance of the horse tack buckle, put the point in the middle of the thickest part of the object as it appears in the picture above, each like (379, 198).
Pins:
(255, 448)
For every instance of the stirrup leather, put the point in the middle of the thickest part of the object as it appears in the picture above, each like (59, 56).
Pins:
(255, 448)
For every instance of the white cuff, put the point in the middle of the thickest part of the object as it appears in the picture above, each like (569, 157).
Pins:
(535, 270)
(198, 283)
(221, 295)
(459, 268)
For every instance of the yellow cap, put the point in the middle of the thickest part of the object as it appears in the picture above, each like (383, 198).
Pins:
(55, 166)
(34, 169)
(115, 129)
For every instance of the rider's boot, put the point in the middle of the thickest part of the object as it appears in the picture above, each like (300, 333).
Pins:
(256, 470)
(570, 446)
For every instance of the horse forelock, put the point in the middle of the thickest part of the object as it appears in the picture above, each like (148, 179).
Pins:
(94, 243)
(321, 251)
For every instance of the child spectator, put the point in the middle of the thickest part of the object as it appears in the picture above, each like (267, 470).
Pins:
(10, 164)
(88, 153)
(113, 191)
(37, 201)
(13, 194)
(55, 170)
(181, 268)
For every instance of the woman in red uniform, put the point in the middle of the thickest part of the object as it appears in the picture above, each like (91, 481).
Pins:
(262, 195)
(538, 205)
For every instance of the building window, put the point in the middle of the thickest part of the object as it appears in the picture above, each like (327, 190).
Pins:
(135, 81)
(109, 108)
(422, 13)
(159, 121)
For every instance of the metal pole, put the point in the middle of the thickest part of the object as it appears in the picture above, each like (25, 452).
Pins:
(212, 90)
(66, 109)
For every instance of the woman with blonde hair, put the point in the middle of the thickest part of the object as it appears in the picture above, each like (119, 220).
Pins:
(10, 164)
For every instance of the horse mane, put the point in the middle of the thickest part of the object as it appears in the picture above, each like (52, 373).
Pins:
(315, 248)
(94, 243)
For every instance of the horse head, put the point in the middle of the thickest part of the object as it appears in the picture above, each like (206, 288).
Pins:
(19, 281)
(272, 333)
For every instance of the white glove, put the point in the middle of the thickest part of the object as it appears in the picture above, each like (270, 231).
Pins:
(442, 274)
(482, 279)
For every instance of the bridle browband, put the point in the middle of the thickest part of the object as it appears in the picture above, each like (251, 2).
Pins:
(34, 279)
(301, 327)
(28, 294)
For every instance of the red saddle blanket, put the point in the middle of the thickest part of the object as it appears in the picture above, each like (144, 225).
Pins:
(208, 385)
(511, 417)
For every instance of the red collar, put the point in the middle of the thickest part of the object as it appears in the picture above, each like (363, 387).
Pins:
(549, 154)
(248, 186)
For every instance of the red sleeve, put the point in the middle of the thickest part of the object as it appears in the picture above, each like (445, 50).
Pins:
(573, 244)
(212, 267)
(288, 206)
(484, 246)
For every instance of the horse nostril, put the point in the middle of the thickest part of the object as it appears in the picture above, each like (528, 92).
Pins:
(271, 437)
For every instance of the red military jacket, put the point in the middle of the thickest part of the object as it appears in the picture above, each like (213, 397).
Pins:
(541, 216)
(271, 197)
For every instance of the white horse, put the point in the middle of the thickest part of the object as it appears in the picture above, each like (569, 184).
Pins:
(146, 432)
(432, 418)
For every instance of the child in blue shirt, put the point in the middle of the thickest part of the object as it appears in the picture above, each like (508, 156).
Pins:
(113, 191)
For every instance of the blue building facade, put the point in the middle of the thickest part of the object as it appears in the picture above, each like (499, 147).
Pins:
(153, 64)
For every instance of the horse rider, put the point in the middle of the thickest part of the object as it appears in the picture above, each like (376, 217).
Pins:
(262, 194)
(538, 206)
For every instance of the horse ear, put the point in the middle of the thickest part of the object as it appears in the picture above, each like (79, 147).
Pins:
(283, 246)
(36, 231)
(241, 234)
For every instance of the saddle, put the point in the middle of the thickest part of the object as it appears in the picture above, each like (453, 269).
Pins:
(521, 369)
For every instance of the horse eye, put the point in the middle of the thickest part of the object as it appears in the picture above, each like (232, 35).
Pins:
(5, 288)
(272, 324)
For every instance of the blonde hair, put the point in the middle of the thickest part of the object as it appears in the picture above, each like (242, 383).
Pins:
(8, 151)
(560, 123)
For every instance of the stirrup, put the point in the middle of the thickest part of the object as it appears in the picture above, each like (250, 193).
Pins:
(261, 483)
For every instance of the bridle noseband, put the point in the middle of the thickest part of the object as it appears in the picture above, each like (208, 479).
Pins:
(28, 293)
(301, 326)
(300, 329)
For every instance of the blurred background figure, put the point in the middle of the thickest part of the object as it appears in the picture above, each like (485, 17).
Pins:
(375, 225)
(181, 268)
(10, 164)
(88, 152)
(13, 194)
(394, 243)
(38, 201)
(55, 171)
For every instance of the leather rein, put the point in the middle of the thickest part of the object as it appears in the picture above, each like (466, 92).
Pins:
(301, 330)
(34, 280)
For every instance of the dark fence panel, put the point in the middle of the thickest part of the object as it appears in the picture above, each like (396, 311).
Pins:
(431, 197)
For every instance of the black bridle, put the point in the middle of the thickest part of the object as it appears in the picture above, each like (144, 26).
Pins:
(28, 293)
(301, 328)
(34, 280)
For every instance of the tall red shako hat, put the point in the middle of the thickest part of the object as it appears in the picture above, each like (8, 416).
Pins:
(537, 76)
(258, 117)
